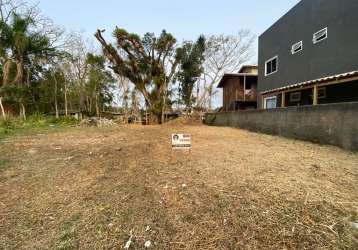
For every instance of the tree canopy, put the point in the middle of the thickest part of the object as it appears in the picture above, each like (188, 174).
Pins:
(191, 56)
(149, 62)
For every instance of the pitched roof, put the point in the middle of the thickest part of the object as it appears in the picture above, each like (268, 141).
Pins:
(227, 75)
(247, 66)
(240, 73)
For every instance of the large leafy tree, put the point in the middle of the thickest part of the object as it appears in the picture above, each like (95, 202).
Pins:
(21, 49)
(20, 46)
(149, 62)
(192, 57)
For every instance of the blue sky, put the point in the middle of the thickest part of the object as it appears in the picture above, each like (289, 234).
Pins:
(186, 19)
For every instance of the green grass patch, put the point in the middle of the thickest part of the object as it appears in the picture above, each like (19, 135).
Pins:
(68, 236)
(3, 163)
(34, 123)
(210, 119)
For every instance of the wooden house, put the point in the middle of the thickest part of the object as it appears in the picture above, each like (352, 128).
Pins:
(240, 89)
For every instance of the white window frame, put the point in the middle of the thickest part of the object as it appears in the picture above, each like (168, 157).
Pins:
(269, 98)
(269, 60)
(298, 99)
(315, 38)
(296, 45)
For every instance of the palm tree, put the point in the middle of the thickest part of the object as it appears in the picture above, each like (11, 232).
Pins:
(20, 46)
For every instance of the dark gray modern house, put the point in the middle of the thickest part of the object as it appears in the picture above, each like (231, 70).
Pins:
(310, 55)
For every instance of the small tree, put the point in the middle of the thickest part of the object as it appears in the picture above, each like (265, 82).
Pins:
(50, 90)
(191, 56)
(99, 84)
(78, 49)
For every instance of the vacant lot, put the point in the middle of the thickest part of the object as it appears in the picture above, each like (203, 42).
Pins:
(94, 188)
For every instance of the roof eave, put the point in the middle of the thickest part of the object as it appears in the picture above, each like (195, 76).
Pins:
(221, 83)
(311, 82)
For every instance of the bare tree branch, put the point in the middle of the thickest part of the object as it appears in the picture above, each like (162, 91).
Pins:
(224, 54)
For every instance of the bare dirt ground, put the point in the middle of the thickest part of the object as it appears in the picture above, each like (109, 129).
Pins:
(93, 188)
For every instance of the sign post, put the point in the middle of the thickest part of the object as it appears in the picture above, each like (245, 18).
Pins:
(181, 142)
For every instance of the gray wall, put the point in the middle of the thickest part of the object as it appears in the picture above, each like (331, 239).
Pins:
(335, 124)
(337, 54)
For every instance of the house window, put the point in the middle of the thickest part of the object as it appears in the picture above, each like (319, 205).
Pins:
(297, 47)
(320, 35)
(248, 85)
(295, 97)
(270, 102)
(271, 66)
(321, 93)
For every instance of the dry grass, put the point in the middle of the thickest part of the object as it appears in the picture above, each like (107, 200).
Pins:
(89, 188)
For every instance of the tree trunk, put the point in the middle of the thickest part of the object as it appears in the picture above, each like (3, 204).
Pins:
(56, 104)
(126, 105)
(210, 97)
(66, 108)
(22, 111)
(164, 101)
(146, 117)
(6, 72)
(97, 107)
(28, 76)
(197, 94)
(155, 112)
(89, 105)
(162, 116)
(82, 97)
(210, 100)
(19, 78)
(2, 109)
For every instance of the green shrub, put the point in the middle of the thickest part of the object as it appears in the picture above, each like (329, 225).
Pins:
(36, 118)
(210, 119)
(8, 123)
(33, 121)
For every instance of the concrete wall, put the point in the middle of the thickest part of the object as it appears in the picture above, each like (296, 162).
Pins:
(334, 124)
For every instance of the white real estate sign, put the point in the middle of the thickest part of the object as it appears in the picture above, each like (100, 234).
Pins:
(181, 141)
